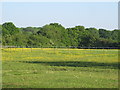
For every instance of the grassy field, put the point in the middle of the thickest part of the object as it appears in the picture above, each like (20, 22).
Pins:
(59, 68)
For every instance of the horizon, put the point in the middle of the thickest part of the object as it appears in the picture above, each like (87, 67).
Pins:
(100, 15)
(60, 24)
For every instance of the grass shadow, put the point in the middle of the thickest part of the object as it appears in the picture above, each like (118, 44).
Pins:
(78, 64)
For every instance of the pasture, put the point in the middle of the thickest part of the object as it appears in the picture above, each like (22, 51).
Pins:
(59, 68)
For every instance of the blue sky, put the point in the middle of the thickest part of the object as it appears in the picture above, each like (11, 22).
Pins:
(69, 14)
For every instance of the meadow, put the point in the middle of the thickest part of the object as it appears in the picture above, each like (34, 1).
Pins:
(59, 68)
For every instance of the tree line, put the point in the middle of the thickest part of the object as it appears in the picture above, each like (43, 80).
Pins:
(54, 34)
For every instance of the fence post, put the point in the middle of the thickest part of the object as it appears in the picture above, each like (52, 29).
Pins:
(31, 49)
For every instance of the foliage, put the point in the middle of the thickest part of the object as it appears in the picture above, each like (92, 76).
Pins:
(55, 34)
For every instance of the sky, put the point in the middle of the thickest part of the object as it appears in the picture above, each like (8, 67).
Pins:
(69, 14)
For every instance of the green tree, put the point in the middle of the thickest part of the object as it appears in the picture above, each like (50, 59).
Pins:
(9, 28)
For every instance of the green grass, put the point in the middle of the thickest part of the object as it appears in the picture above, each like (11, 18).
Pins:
(60, 68)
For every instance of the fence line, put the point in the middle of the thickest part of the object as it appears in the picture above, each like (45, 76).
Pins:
(62, 47)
